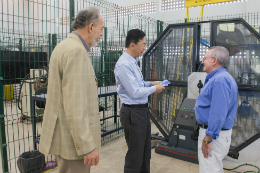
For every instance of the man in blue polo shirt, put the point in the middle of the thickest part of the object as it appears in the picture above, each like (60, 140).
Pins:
(215, 110)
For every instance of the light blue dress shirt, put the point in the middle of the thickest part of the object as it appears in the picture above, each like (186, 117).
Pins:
(216, 105)
(129, 81)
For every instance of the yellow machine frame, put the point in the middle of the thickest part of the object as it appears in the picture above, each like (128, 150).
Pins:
(196, 3)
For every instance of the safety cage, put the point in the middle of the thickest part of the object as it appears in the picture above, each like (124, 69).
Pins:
(179, 51)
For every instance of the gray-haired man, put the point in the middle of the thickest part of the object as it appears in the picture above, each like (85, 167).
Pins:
(71, 125)
(215, 110)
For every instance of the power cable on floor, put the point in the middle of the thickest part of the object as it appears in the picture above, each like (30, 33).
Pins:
(245, 164)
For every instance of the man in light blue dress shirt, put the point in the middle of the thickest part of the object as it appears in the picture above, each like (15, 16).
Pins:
(134, 92)
(215, 110)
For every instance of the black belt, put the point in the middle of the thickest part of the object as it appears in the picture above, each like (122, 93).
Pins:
(136, 106)
(206, 126)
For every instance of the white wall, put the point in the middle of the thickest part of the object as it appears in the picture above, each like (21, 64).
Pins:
(40, 20)
(11, 8)
(212, 10)
(253, 5)
(46, 17)
(125, 3)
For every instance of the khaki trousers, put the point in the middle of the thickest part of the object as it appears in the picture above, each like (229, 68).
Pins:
(72, 166)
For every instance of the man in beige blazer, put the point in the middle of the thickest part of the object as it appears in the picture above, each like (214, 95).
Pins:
(71, 124)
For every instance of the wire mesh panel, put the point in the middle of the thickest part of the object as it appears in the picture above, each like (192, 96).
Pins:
(244, 48)
(242, 42)
(29, 32)
(204, 39)
(247, 122)
(166, 105)
(253, 18)
(171, 55)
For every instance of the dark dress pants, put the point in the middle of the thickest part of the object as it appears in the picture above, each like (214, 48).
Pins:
(137, 128)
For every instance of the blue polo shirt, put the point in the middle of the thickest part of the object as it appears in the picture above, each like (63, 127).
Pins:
(216, 105)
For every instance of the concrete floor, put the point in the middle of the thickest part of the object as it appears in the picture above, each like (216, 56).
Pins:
(112, 159)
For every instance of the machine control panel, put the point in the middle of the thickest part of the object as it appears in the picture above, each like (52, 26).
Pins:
(186, 114)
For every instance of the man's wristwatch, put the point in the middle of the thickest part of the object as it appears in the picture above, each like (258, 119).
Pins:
(206, 142)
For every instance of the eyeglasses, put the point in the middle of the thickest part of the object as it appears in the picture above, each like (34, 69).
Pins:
(206, 58)
(143, 45)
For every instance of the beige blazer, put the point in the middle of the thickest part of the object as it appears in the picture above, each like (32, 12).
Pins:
(71, 122)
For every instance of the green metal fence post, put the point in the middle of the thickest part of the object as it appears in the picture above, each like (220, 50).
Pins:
(49, 46)
(148, 35)
(158, 28)
(115, 108)
(162, 69)
(20, 44)
(101, 65)
(54, 41)
(72, 13)
(105, 60)
(161, 27)
(159, 53)
(105, 56)
(2, 125)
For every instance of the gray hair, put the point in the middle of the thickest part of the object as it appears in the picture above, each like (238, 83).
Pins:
(221, 53)
(85, 17)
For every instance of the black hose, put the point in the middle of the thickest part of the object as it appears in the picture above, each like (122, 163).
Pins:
(245, 164)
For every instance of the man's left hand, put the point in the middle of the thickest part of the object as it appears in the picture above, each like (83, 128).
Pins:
(155, 83)
(206, 149)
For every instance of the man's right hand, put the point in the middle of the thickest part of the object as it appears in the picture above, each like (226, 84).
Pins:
(92, 158)
(159, 88)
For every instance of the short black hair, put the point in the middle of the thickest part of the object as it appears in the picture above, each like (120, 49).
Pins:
(134, 36)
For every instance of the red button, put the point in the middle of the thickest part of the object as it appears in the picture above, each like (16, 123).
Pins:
(181, 115)
(186, 116)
